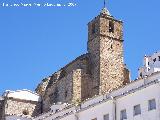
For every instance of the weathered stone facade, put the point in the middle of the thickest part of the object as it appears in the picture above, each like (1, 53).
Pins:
(99, 71)
(21, 107)
(21, 102)
(68, 84)
(1, 108)
(105, 45)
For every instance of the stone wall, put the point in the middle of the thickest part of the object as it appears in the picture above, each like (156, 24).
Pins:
(66, 85)
(22, 107)
(127, 76)
(1, 108)
(111, 65)
(86, 86)
(41, 88)
(105, 45)
(58, 91)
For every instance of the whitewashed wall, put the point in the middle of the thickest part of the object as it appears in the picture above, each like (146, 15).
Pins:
(98, 111)
(140, 97)
(148, 69)
(137, 92)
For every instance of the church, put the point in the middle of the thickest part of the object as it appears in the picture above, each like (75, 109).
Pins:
(94, 86)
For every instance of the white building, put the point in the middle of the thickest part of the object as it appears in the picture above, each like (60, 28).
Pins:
(151, 64)
(139, 100)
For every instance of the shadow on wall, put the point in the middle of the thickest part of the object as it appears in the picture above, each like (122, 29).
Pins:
(38, 109)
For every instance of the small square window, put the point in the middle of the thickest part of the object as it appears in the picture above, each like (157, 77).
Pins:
(123, 115)
(106, 117)
(152, 104)
(137, 110)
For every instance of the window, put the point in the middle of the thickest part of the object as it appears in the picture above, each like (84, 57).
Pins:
(111, 27)
(152, 104)
(159, 58)
(106, 117)
(137, 110)
(123, 115)
(148, 63)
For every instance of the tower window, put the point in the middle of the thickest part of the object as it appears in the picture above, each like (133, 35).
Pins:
(159, 58)
(93, 28)
(111, 27)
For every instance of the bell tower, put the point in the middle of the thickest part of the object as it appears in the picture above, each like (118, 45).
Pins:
(105, 46)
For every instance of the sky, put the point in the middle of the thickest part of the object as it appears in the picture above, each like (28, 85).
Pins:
(37, 41)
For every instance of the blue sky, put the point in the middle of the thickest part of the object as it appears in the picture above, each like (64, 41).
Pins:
(37, 41)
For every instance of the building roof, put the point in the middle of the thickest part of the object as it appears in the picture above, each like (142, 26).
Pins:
(23, 95)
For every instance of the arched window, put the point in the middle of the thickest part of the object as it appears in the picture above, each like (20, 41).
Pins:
(111, 27)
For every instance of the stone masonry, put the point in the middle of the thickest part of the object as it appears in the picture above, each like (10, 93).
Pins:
(1, 108)
(68, 84)
(99, 71)
(105, 45)
(21, 107)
